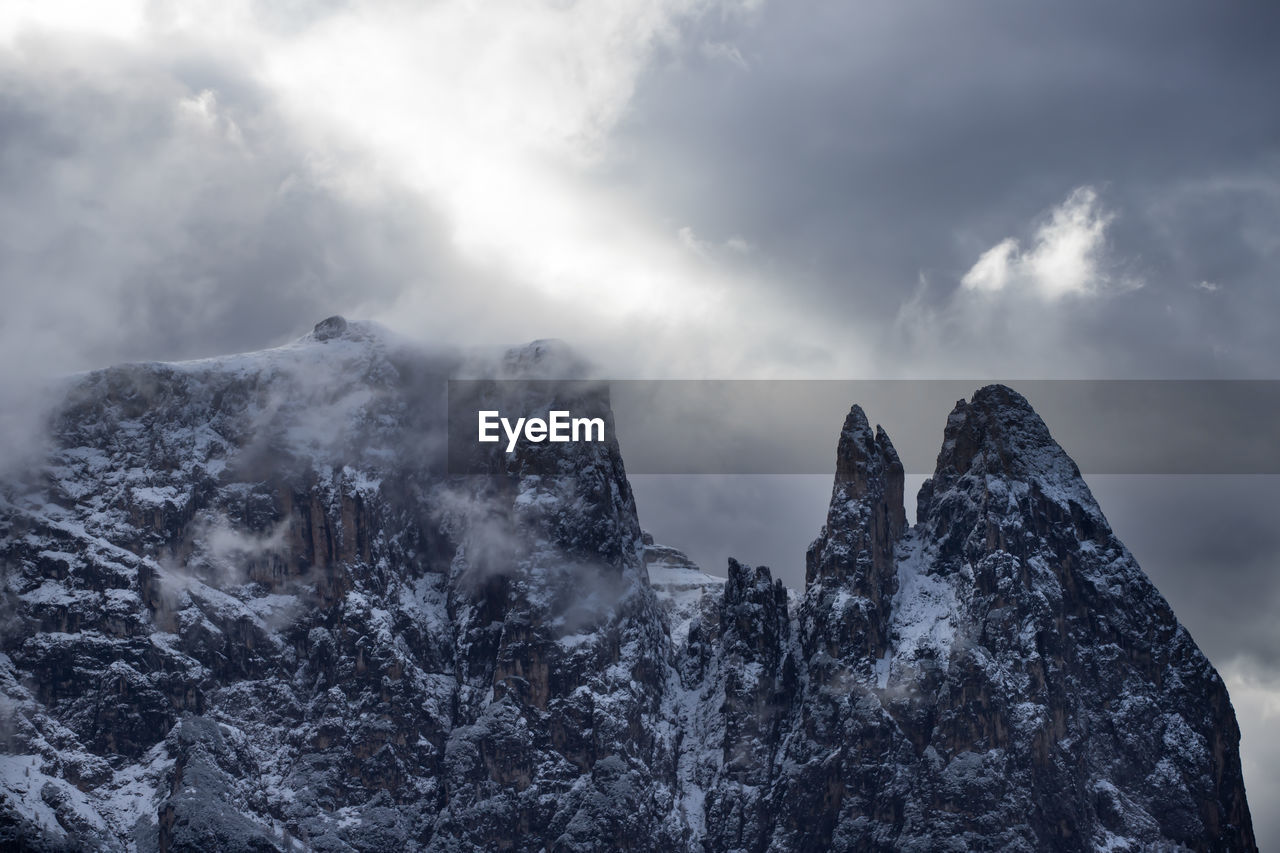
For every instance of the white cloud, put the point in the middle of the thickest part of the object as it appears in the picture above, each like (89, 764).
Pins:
(734, 245)
(1065, 259)
(500, 125)
(717, 51)
(994, 268)
(691, 241)
(1000, 307)
(466, 143)
(114, 19)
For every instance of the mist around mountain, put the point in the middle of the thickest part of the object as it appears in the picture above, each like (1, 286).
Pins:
(246, 607)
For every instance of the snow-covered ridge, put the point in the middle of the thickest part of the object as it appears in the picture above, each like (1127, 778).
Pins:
(682, 589)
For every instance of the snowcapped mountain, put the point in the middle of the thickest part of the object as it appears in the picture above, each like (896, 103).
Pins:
(246, 608)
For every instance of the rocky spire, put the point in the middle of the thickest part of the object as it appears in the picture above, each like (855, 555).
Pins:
(849, 569)
(866, 515)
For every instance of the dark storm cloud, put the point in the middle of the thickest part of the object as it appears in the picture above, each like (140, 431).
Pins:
(1212, 547)
(161, 209)
(868, 145)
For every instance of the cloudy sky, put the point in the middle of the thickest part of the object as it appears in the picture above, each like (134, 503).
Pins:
(685, 188)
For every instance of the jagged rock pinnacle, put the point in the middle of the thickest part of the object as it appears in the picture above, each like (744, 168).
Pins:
(868, 485)
(868, 466)
(854, 554)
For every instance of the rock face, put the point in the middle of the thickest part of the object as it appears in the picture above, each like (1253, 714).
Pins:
(1028, 688)
(246, 608)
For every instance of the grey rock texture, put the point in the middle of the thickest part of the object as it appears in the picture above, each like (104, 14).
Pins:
(246, 608)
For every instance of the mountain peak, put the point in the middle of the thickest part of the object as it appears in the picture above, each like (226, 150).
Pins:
(998, 433)
(1001, 477)
(330, 327)
(997, 428)
(1013, 650)
(545, 358)
(339, 328)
